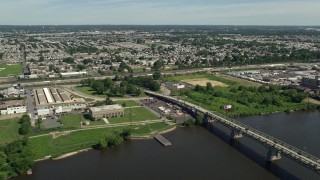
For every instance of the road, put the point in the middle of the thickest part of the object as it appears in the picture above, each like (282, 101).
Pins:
(105, 126)
(5, 83)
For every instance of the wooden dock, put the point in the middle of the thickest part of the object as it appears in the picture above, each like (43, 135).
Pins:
(161, 139)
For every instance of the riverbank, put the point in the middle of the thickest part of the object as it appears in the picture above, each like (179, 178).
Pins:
(71, 154)
(149, 136)
(82, 146)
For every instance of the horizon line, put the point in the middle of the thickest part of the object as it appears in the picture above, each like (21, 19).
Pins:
(288, 25)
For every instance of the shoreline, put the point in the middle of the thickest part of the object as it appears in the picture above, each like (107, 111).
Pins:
(149, 136)
(67, 155)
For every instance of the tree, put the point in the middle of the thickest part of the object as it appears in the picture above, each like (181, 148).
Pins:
(39, 122)
(156, 75)
(113, 140)
(51, 67)
(115, 90)
(122, 90)
(25, 127)
(154, 86)
(209, 86)
(98, 86)
(137, 92)
(116, 78)
(19, 157)
(68, 60)
(1, 55)
(87, 61)
(198, 88)
(102, 144)
(126, 133)
(158, 64)
(81, 67)
(130, 89)
(109, 101)
(108, 83)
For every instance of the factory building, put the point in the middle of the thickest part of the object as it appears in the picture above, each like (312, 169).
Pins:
(100, 112)
(312, 82)
(56, 101)
(13, 107)
(73, 74)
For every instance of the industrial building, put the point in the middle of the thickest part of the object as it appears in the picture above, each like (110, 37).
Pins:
(312, 82)
(13, 107)
(100, 112)
(14, 91)
(73, 74)
(56, 101)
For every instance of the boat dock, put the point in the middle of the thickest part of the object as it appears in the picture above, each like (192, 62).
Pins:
(161, 139)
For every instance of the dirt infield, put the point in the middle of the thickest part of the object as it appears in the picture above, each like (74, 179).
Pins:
(203, 82)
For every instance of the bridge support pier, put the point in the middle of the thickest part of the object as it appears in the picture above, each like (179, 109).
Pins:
(236, 134)
(273, 155)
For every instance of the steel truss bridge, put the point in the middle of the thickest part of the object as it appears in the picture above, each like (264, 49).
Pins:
(275, 146)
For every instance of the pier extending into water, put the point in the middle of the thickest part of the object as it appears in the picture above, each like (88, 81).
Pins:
(161, 139)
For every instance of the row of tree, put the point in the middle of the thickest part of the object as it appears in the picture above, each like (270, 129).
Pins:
(114, 139)
(128, 85)
(17, 157)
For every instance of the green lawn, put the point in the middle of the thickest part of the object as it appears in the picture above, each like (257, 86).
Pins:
(10, 69)
(137, 114)
(72, 121)
(128, 103)
(9, 130)
(89, 91)
(150, 128)
(45, 145)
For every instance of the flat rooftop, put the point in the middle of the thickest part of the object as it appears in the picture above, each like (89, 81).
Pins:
(106, 108)
(48, 96)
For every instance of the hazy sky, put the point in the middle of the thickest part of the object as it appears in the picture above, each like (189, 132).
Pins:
(207, 12)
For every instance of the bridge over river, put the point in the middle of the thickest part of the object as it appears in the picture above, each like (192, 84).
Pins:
(275, 146)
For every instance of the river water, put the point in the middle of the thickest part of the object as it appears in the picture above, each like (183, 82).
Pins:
(196, 153)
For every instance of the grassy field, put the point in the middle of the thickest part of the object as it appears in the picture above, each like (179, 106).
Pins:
(72, 121)
(10, 69)
(247, 98)
(140, 70)
(128, 103)
(89, 91)
(149, 129)
(46, 145)
(137, 114)
(9, 130)
(180, 78)
(242, 82)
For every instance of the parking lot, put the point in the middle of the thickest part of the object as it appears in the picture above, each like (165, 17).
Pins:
(51, 122)
(168, 110)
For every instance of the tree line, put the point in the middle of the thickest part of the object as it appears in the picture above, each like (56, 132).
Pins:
(120, 86)
(17, 157)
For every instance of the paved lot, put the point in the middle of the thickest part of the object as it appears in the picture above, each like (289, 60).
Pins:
(156, 103)
(51, 122)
